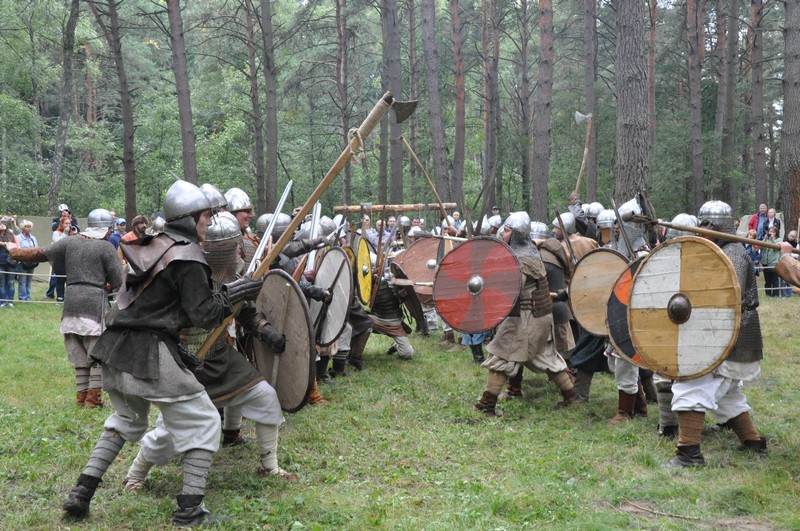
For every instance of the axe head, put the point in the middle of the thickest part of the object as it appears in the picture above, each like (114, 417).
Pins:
(580, 118)
(403, 109)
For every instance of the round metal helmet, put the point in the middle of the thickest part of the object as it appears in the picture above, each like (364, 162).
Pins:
(158, 224)
(261, 224)
(405, 221)
(585, 208)
(719, 214)
(539, 231)
(414, 232)
(606, 218)
(214, 196)
(496, 221)
(281, 224)
(224, 227)
(100, 218)
(184, 199)
(238, 200)
(519, 221)
(326, 226)
(569, 222)
(681, 219)
(448, 222)
(594, 210)
(62, 207)
(629, 209)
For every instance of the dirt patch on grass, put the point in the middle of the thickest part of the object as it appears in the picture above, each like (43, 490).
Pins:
(644, 510)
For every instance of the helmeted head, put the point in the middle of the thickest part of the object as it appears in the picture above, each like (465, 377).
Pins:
(100, 224)
(681, 219)
(519, 223)
(184, 205)
(239, 205)
(569, 223)
(495, 224)
(594, 210)
(326, 226)
(629, 209)
(539, 231)
(718, 216)
(221, 246)
(215, 197)
(405, 222)
(605, 219)
(414, 232)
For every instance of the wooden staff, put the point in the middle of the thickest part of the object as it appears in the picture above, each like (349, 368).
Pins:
(710, 233)
(371, 121)
(588, 117)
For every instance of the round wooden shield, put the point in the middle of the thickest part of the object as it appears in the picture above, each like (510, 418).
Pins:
(350, 255)
(363, 271)
(421, 262)
(618, 333)
(477, 285)
(291, 372)
(685, 308)
(333, 274)
(408, 296)
(591, 285)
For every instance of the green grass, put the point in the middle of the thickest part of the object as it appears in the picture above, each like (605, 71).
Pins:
(398, 446)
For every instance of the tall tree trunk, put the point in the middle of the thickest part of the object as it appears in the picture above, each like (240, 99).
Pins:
(651, 74)
(255, 106)
(438, 149)
(459, 142)
(390, 18)
(693, 25)
(790, 136)
(491, 97)
(413, 90)
(359, 92)
(721, 14)
(91, 89)
(341, 87)
(111, 32)
(757, 104)
(541, 120)
(178, 46)
(65, 97)
(774, 177)
(271, 106)
(523, 96)
(633, 142)
(589, 78)
(35, 103)
(725, 189)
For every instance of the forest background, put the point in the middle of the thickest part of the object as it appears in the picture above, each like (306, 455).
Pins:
(104, 103)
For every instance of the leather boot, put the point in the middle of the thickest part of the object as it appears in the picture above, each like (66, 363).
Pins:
(477, 353)
(357, 345)
(337, 370)
(322, 368)
(77, 502)
(570, 397)
(391, 350)
(315, 397)
(233, 438)
(449, 338)
(685, 457)
(191, 511)
(583, 382)
(94, 398)
(640, 406)
(487, 404)
(625, 406)
(514, 388)
(80, 398)
(758, 446)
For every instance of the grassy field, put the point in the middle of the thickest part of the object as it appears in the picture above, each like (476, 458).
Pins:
(399, 446)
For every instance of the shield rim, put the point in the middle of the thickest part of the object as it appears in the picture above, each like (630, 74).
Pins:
(396, 268)
(592, 330)
(463, 246)
(311, 351)
(333, 251)
(738, 307)
(641, 364)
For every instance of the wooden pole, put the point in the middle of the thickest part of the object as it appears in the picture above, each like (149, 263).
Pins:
(407, 207)
(585, 153)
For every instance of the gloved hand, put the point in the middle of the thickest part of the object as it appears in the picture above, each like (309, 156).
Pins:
(271, 336)
(319, 293)
(574, 198)
(242, 289)
(316, 243)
